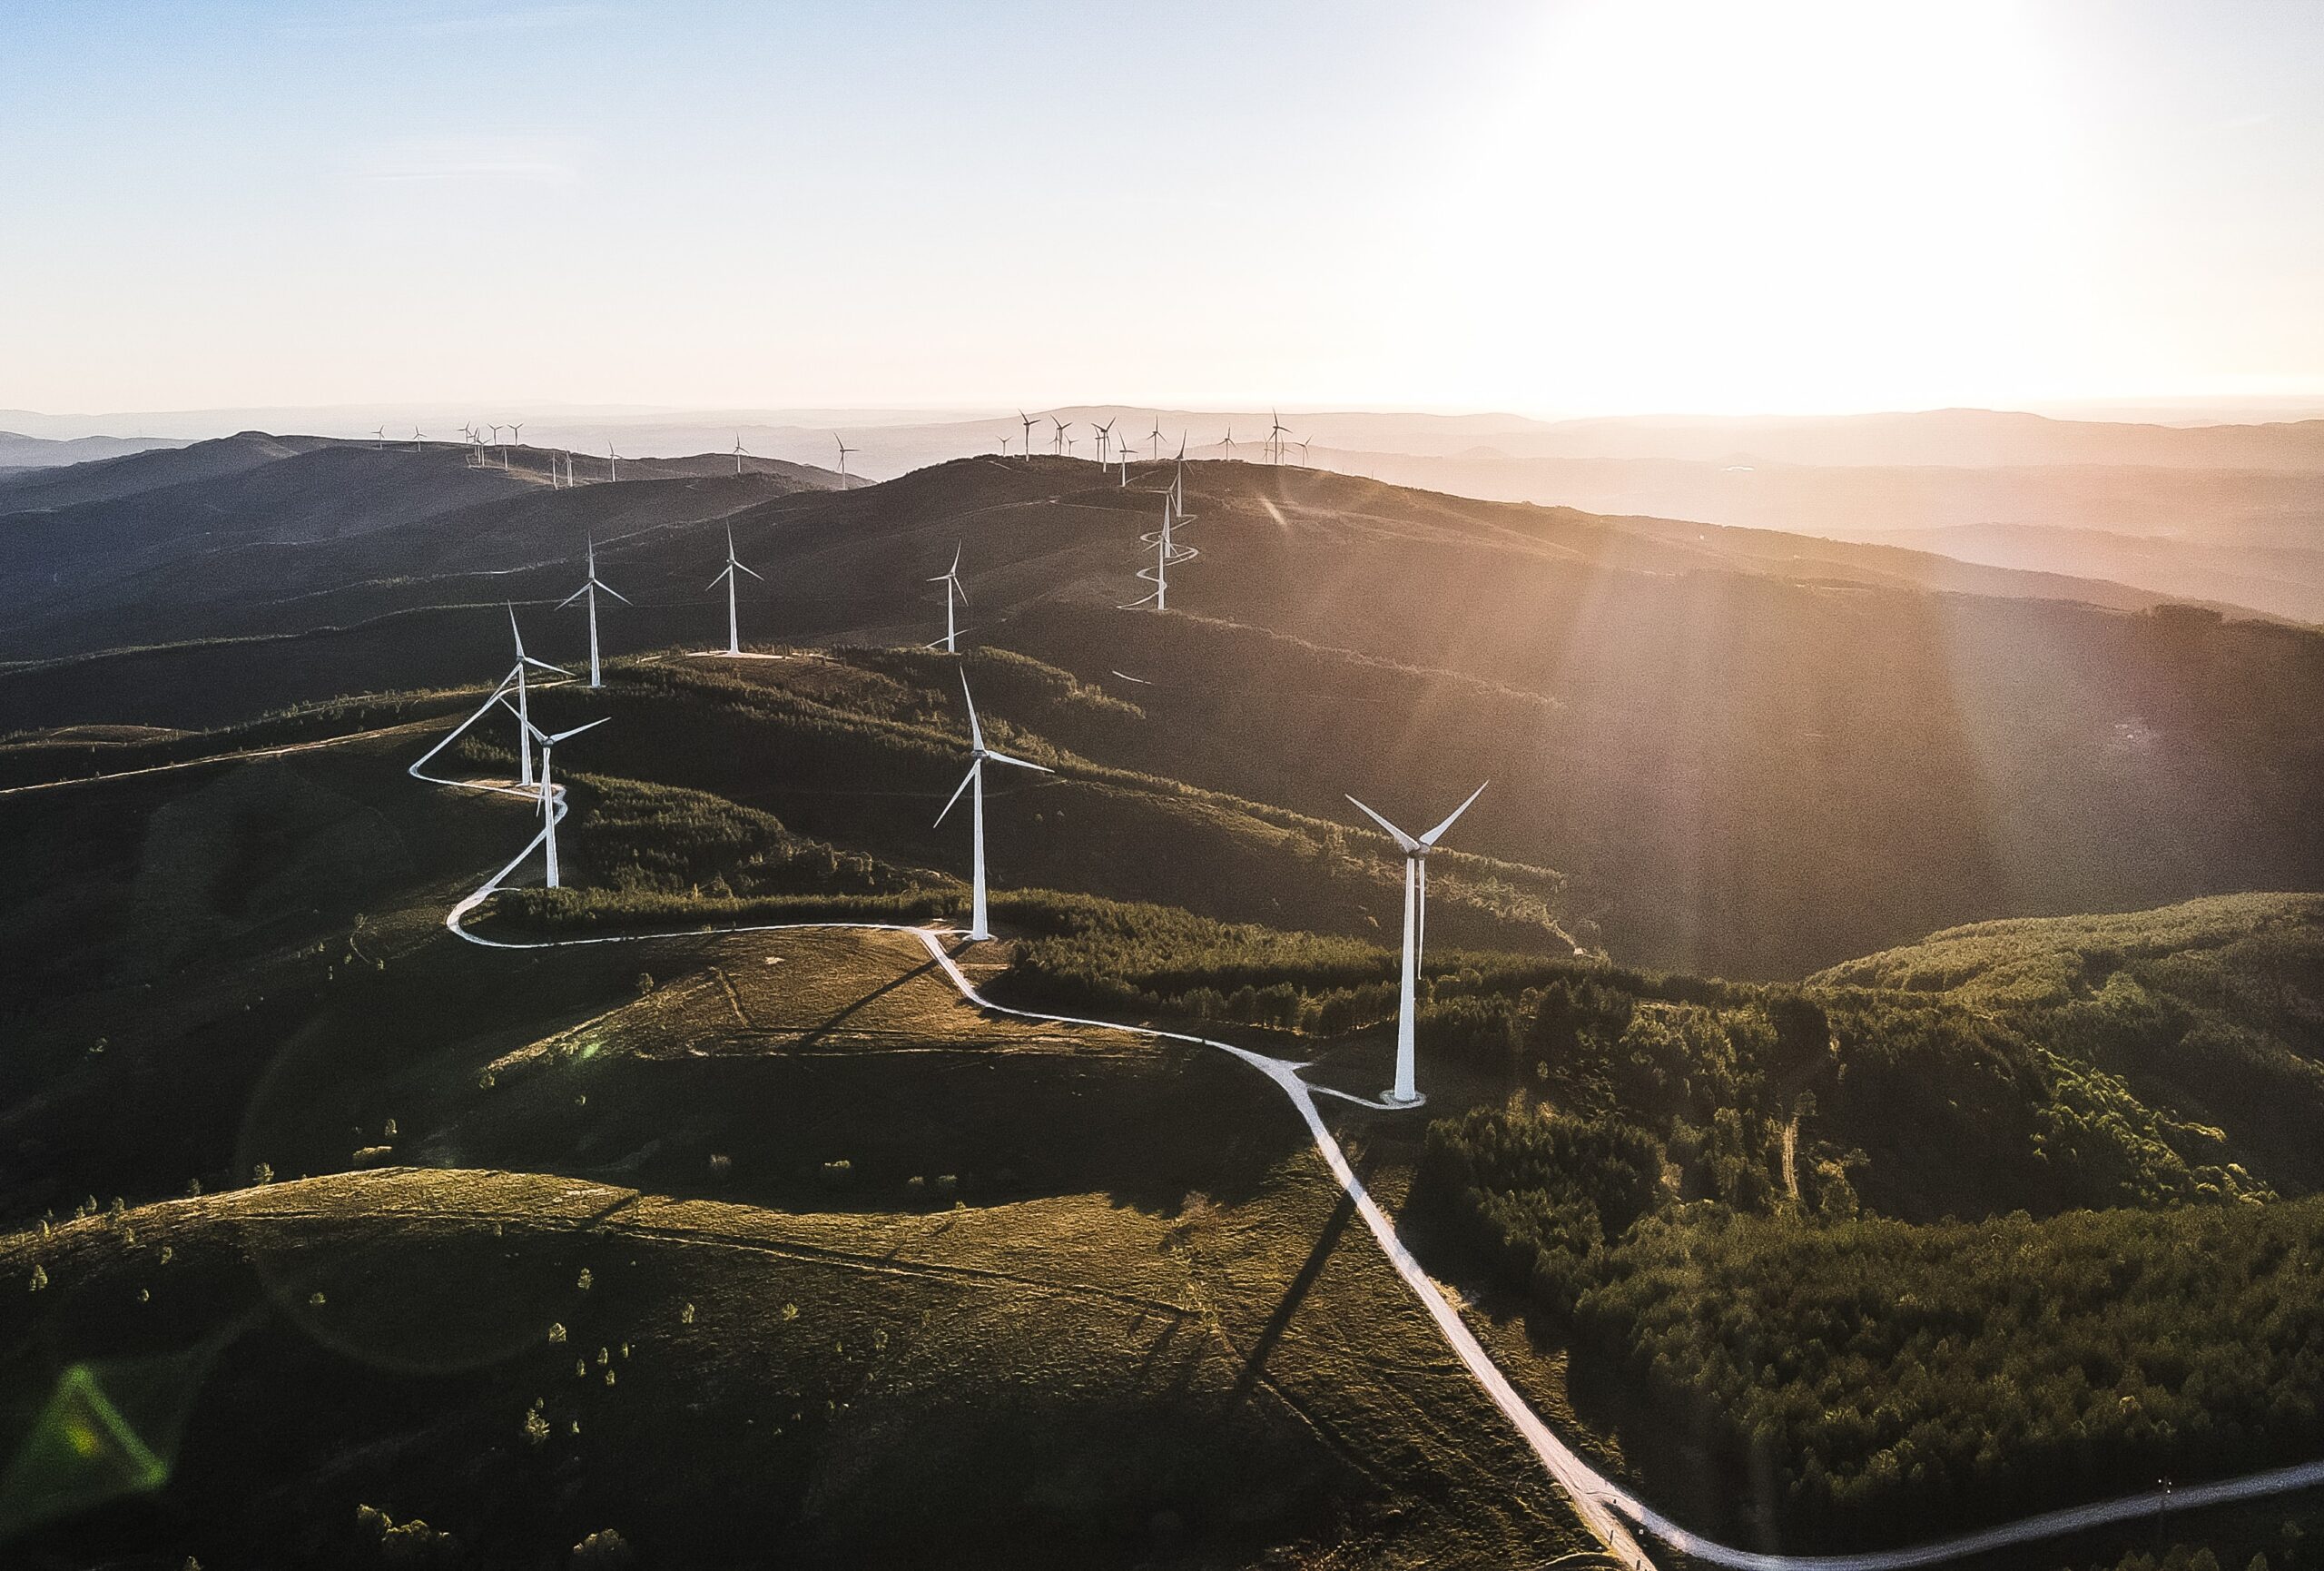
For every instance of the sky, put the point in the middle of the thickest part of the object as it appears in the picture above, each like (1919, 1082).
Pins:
(1556, 208)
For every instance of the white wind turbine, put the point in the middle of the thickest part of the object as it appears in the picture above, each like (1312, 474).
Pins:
(1404, 1094)
(523, 706)
(844, 450)
(738, 452)
(1105, 437)
(974, 783)
(416, 438)
(950, 579)
(727, 575)
(549, 813)
(612, 463)
(1156, 439)
(589, 591)
(1276, 432)
(1028, 423)
(1227, 442)
(1057, 442)
(1166, 551)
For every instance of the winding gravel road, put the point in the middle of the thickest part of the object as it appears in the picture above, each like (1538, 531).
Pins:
(1606, 1508)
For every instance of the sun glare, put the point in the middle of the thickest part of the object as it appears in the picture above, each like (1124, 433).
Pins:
(1687, 203)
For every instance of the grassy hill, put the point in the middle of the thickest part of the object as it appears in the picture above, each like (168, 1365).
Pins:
(519, 1361)
(1114, 1286)
(1754, 755)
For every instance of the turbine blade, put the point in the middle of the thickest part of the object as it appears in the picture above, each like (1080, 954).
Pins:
(1021, 763)
(573, 597)
(544, 665)
(577, 730)
(976, 731)
(721, 578)
(1430, 838)
(752, 574)
(1402, 839)
(617, 594)
(963, 785)
(526, 720)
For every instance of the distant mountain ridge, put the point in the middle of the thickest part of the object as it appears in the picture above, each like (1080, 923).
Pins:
(18, 451)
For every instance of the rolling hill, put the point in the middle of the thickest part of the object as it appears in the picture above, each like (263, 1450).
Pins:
(1752, 754)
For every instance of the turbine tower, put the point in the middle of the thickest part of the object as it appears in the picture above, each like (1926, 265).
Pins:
(738, 452)
(974, 783)
(733, 566)
(612, 463)
(589, 591)
(549, 813)
(1276, 432)
(1058, 442)
(1157, 439)
(1028, 423)
(1105, 436)
(1404, 1094)
(844, 450)
(523, 708)
(950, 579)
(1166, 551)
(1227, 442)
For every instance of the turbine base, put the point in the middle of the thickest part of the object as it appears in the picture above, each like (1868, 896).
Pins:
(1390, 1099)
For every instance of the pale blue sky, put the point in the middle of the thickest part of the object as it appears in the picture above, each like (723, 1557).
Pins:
(1602, 206)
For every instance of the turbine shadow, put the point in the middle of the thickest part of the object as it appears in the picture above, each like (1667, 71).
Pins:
(1302, 1282)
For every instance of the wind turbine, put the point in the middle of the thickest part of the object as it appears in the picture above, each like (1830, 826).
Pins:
(1166, 550)
(1105, 435)
(1302, 452)
(1062, 427)
(612, 463)
(589, 591)
(1227, 442)
(1404, 1094)
(1028, 422)
(379, 439)
(1157, 439)
(734, 566)
(973, 782)
(416, 438)
(844, 450)
(524, 707)
(1276, 432)
(950, 579)
(549, 815)
(1004, 446)
(738, 452)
